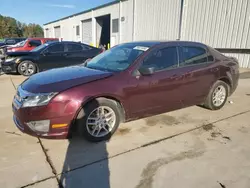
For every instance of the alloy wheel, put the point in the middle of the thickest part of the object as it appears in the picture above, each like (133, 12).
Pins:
(27, 69)
(219, 96)
(101, 121)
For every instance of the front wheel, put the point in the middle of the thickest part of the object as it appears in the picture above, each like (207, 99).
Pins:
(98, 120)
(26, 68)
(217, 96)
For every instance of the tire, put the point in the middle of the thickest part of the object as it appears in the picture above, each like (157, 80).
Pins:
(211, 102)
(88, 113)
(26, 68)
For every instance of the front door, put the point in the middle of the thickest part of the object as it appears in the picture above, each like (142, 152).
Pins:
(52, 57)
(159, 92)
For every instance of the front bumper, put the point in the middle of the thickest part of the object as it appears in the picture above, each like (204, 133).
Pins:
(23, 115)
(8, 67)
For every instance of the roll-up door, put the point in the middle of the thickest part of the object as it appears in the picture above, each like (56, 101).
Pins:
(87, 31)
(57, 32)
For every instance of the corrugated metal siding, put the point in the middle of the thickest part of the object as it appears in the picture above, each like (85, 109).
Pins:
(218, 23)
(113, 9)
(244, 59)
(126, 26)
(157, 19)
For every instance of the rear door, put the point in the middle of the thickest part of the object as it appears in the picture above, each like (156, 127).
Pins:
(77, 53)
(52, 57)
(199, 73)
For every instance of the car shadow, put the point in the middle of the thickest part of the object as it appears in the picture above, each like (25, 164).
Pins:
(86, 164)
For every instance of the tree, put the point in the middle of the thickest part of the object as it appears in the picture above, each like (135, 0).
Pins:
(10, 27)
(32, 30)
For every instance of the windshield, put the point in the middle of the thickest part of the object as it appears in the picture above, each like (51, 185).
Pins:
(38, 48)
(118, 58)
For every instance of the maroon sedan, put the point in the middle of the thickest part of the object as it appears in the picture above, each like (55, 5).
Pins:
(127, 82)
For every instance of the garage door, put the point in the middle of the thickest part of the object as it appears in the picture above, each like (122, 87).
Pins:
(87, 31)
(47, 33)
(57, 32)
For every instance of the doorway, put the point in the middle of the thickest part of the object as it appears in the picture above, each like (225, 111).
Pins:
(103, 30)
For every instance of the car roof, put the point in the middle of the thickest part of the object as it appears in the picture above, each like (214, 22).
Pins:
(67, 42)
(41, 38)
(153, 43)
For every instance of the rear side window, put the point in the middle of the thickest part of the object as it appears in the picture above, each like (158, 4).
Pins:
(35, 43)
(85, 47)
(56, 48)
(51, 40)
(74, 47)
(192, 56)
(166, 58)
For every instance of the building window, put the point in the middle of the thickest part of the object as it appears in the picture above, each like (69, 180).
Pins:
(77, 30)
(115, 25)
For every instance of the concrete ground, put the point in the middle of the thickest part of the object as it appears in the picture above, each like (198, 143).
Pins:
(192, 147)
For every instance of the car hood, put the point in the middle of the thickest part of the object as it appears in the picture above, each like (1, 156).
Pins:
(16, 54)
(57, 80)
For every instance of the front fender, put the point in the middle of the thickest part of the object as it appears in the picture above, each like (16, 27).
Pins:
(26, 58)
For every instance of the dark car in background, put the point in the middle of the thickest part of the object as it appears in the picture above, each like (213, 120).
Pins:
(8, 42)
(11, 41)
(47, 56)
(127, 82)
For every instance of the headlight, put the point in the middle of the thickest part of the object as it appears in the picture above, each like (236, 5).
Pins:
(38, 100)
(10, 59)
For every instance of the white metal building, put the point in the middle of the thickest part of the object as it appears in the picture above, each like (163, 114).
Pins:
(222, 24)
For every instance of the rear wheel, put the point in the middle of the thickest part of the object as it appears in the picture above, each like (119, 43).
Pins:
(26, 68)
(217, 96)
(98, 120)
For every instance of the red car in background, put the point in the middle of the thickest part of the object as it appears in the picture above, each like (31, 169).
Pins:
(29, 44)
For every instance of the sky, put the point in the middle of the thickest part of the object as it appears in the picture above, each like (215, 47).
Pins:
(44, 11)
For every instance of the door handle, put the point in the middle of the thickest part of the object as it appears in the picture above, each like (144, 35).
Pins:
(188, 74)
(175, 76)
(154, 83)
(214, 69)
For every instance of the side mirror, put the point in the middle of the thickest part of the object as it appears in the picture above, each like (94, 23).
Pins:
(29, 45)
(146, 71)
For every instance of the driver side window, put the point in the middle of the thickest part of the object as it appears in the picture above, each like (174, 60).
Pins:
(166, 58)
